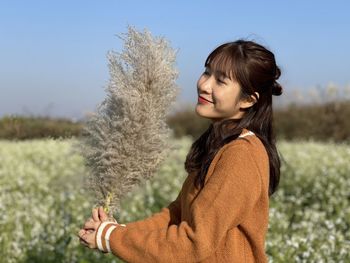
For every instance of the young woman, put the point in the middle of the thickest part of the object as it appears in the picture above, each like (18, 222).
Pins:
(221, 213)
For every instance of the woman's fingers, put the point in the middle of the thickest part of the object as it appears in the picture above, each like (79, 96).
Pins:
(83, 242)
(81, 235)
(87, 239)
(81, 232)
(91, 224)
(102, 214)
(95, 215)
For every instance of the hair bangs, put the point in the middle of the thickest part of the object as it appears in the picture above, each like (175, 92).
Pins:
(221, 62)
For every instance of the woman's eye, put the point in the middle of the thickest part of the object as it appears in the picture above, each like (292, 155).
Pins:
(221, 81)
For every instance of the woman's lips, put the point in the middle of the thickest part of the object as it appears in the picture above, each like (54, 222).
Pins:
(203, 100)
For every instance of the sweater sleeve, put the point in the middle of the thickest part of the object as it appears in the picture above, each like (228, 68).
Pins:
(228, 196)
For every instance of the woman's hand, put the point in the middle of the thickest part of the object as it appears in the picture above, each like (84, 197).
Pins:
(87, 234)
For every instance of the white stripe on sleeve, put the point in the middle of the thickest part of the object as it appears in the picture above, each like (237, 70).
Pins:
(108, 233)
(99, 235)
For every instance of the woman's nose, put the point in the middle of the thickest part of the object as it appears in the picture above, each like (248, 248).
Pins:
(206, 84)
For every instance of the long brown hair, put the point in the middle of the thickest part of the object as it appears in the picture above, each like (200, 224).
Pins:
(254, 68)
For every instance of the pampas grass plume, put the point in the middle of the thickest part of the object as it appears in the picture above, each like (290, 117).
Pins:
(127, 138)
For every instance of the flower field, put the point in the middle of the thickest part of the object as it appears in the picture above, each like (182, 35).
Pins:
(43, 202)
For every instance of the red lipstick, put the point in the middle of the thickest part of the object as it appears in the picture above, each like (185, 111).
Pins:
(203, 100)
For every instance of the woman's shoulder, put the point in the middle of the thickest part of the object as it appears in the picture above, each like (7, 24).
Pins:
(248, 142)
(246, 138)
(245, 150)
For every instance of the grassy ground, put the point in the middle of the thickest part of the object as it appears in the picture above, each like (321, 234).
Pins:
(43, 202)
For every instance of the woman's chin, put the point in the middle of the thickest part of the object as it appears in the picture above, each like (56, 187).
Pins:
(201, 113)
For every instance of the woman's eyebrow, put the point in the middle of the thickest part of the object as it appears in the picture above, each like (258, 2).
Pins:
(221, 74)
(218, 73)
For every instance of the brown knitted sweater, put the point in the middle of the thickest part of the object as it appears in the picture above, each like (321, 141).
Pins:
(226, 221)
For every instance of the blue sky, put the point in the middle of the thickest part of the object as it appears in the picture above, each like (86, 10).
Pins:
(53, 53)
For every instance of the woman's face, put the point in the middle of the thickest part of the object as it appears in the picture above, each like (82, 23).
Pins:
(218, 96)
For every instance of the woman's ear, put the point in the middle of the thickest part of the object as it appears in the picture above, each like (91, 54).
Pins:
(248, 102)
